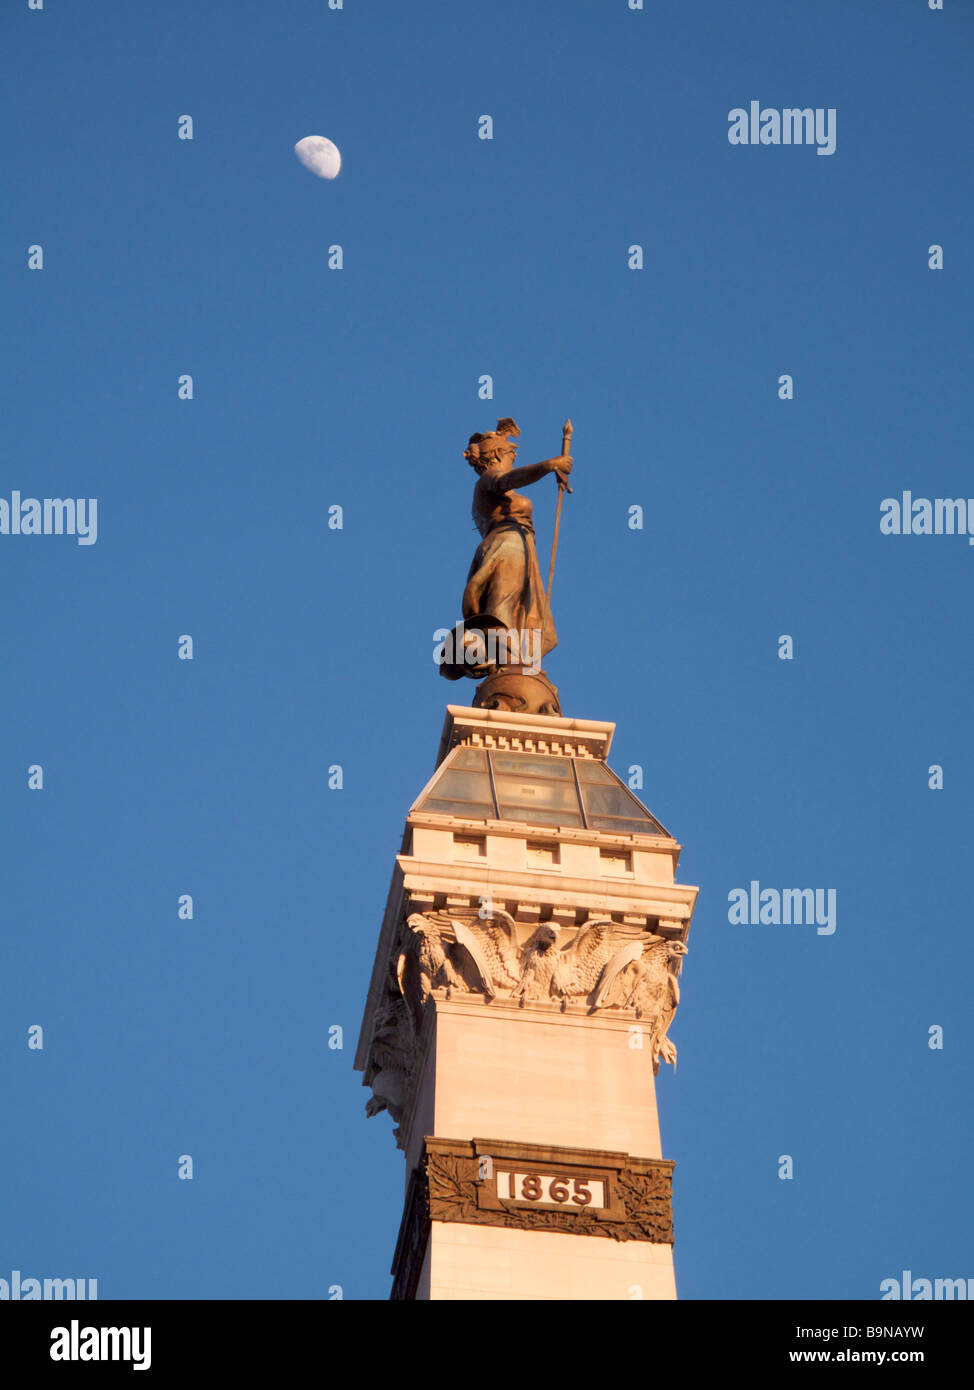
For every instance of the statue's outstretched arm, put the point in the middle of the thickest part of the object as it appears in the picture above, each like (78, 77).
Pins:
(531, 473)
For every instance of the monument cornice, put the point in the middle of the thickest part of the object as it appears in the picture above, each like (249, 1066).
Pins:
(536, 733)
(538, 886)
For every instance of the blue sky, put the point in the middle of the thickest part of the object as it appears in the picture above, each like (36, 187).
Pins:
(313, 647)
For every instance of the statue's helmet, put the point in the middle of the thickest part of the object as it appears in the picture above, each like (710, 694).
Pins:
(480, 445)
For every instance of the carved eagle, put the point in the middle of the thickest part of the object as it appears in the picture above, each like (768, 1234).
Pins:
(650, 986)
(602, 962)
(540, 968)
(423, 964)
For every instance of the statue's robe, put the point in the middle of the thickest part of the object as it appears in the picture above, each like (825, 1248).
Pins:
(504, 579)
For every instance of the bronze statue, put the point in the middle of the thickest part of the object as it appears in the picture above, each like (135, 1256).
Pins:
(507, 627)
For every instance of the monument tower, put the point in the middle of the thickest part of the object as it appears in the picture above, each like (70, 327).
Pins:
(526, 971)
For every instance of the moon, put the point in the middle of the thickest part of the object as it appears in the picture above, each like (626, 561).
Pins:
(319, 155)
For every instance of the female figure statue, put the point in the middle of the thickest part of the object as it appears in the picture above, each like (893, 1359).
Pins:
(504, 593)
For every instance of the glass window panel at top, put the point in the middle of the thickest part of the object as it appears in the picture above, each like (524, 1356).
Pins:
(609, 805)
(610, 801)
(469, 760)
(612, 808)
(464, 787)
(532, 765)
(590, 771)
(535, 788)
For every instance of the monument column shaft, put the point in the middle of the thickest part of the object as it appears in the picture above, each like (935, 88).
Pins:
(524, 983)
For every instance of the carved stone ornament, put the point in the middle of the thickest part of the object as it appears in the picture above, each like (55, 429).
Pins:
(518, 691)
(463, 1181)
(602, 965)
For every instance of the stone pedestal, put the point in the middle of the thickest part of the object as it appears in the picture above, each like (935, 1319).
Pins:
(523, 986)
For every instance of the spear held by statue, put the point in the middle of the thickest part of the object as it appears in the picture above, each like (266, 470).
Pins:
(563, 487)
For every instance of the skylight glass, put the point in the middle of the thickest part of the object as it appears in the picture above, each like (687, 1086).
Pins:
(577, 793)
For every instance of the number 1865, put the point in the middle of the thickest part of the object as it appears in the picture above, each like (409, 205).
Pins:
(558, 1191)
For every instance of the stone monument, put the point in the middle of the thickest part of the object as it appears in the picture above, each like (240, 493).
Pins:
(525, 978)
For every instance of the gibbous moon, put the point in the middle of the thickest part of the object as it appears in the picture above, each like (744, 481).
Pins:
(319, 155)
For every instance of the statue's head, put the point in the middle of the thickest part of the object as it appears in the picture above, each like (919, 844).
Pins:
(492, 447)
